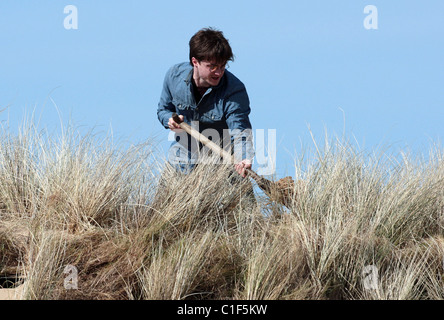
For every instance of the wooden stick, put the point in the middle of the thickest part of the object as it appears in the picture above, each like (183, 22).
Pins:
(200, 137)
(263, 183)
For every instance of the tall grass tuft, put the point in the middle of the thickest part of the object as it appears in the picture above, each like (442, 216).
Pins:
(360, 226)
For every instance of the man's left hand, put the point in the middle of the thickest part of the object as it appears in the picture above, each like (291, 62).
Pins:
(242, 166)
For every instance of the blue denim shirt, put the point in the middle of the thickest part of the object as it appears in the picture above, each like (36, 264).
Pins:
(221, 115)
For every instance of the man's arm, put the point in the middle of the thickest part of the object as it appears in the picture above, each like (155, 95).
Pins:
(239, 126)
(165, 107)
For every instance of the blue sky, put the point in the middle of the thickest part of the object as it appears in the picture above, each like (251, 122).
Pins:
(306, 64)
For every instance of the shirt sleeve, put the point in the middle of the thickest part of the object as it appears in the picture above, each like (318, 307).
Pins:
(239, 126)
(165, 108)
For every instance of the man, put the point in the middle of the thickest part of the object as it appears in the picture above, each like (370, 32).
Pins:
(209, 98)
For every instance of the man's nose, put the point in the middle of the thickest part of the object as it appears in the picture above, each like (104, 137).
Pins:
(219, 71)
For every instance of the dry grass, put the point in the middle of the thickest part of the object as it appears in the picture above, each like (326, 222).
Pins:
(82, 201)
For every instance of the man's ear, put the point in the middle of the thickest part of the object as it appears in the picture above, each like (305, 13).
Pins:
(194, 61)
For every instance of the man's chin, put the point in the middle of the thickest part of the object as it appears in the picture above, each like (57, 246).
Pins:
(214, 81)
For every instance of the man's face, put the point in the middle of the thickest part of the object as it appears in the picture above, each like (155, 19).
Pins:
(207, 73)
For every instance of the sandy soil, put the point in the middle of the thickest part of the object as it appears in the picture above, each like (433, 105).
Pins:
(11, 294)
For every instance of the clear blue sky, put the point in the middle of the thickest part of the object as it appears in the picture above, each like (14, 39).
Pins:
(304, 63)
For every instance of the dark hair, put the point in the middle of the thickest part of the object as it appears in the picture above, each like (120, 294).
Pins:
(210, 44)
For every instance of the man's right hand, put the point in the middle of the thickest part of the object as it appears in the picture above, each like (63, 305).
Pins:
(174, 126)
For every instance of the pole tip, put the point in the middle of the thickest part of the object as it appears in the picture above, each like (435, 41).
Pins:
(176, 118)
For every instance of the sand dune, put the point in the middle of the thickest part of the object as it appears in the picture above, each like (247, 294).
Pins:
(11, 294)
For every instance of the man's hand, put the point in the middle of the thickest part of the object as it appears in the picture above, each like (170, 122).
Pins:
(241, 166)
(174, 126)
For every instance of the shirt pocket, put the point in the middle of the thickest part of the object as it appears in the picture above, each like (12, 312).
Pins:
(211, 116)
(183, 109)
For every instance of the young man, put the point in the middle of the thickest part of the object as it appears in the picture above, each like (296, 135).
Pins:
(209, 98)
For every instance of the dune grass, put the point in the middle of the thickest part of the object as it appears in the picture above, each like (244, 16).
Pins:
(82, 200)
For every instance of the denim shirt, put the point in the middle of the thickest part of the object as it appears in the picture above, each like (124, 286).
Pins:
(221, 115)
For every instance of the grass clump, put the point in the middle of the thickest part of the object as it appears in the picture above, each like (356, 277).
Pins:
(84, 201)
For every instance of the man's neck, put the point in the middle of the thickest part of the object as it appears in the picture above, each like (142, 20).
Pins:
(198, 91)
(201, 89)
(201, 84)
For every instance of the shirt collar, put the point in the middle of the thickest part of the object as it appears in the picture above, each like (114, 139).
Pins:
(189, 76)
